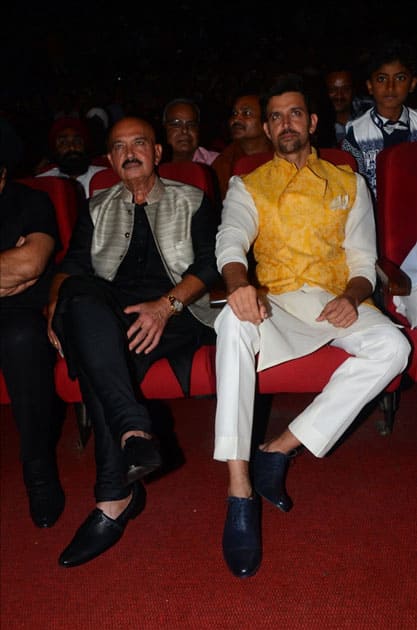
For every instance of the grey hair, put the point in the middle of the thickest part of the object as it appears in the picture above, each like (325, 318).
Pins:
(181, 101)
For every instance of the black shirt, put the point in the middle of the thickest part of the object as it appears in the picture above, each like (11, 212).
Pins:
(142, 275)
(23, 211)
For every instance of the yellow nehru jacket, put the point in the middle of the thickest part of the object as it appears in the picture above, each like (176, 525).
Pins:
(302, 217)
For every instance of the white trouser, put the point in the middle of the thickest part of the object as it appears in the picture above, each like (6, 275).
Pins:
(380, 354)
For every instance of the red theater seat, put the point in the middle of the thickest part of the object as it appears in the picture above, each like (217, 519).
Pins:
(193, 173)
(396, 222)
(64, 196)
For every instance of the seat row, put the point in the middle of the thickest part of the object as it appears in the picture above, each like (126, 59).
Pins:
(396, 229)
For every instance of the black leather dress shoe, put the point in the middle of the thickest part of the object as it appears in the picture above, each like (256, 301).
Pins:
(100, 532)
(141, 458)
(270, 471)
(45, 493)
(242, 549)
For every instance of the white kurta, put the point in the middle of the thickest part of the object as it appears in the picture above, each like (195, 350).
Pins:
(237, 232)
(291, 331)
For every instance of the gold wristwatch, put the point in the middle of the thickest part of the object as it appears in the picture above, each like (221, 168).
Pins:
(176, 305)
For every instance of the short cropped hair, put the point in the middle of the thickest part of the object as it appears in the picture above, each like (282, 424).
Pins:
(287, 82)
(180, 101)
(394, 50)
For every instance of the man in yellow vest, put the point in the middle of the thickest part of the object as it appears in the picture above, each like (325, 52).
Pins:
(311, 227)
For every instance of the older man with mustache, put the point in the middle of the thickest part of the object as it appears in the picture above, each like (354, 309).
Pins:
(132, 288)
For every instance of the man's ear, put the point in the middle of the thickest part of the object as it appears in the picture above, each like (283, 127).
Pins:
(158, 153)
(314, 119)
(266, 130)
(369, 86)
(413, 85)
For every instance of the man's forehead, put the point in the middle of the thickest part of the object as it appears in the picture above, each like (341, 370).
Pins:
(339, 77)
(132, 130)
(69, 131)
(243, 102)
(180, 109)
(340, 82)
(287, 100)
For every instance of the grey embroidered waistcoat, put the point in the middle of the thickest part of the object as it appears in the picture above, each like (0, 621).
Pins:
(170, 208)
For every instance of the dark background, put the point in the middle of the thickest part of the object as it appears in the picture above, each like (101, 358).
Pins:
(58, 58)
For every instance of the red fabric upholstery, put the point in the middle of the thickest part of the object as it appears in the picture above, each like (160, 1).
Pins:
(159, 382)
(396, 218)
(307, 374)
(103, 179)
(193, 173)
(63, 194)
(338, 157)
(101, 160)
(4, 394)
(248, 163)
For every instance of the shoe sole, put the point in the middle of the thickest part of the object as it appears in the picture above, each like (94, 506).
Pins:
(138, 472)
(277, 505)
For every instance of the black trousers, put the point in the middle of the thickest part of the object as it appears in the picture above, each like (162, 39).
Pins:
(92, 327)
(27, 360)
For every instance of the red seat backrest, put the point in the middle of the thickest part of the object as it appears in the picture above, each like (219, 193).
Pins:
(103, 179)
(396, 216)
(338, 157)
(63, 194)
(193, 173)
(248, 163)
(101, 160)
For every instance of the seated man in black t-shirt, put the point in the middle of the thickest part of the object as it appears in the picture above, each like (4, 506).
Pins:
(28, 240)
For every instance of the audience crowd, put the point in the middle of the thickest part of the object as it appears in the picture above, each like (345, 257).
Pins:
(72, 68)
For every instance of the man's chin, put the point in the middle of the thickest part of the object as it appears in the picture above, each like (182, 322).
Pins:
(74, 167)
(130, 175)
(289, 145)
(237, 133)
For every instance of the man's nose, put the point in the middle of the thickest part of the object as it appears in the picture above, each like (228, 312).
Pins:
(129, 151)
(237, 116)
(390, 84)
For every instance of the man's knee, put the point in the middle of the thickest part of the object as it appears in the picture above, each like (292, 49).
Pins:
(227, 322)
(397, 347)
(25, 335)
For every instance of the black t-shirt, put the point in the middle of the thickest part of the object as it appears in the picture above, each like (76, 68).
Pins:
(23, 211)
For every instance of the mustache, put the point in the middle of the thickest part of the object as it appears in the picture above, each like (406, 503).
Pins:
(74, 154)
(131, 161)
(287, 131)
